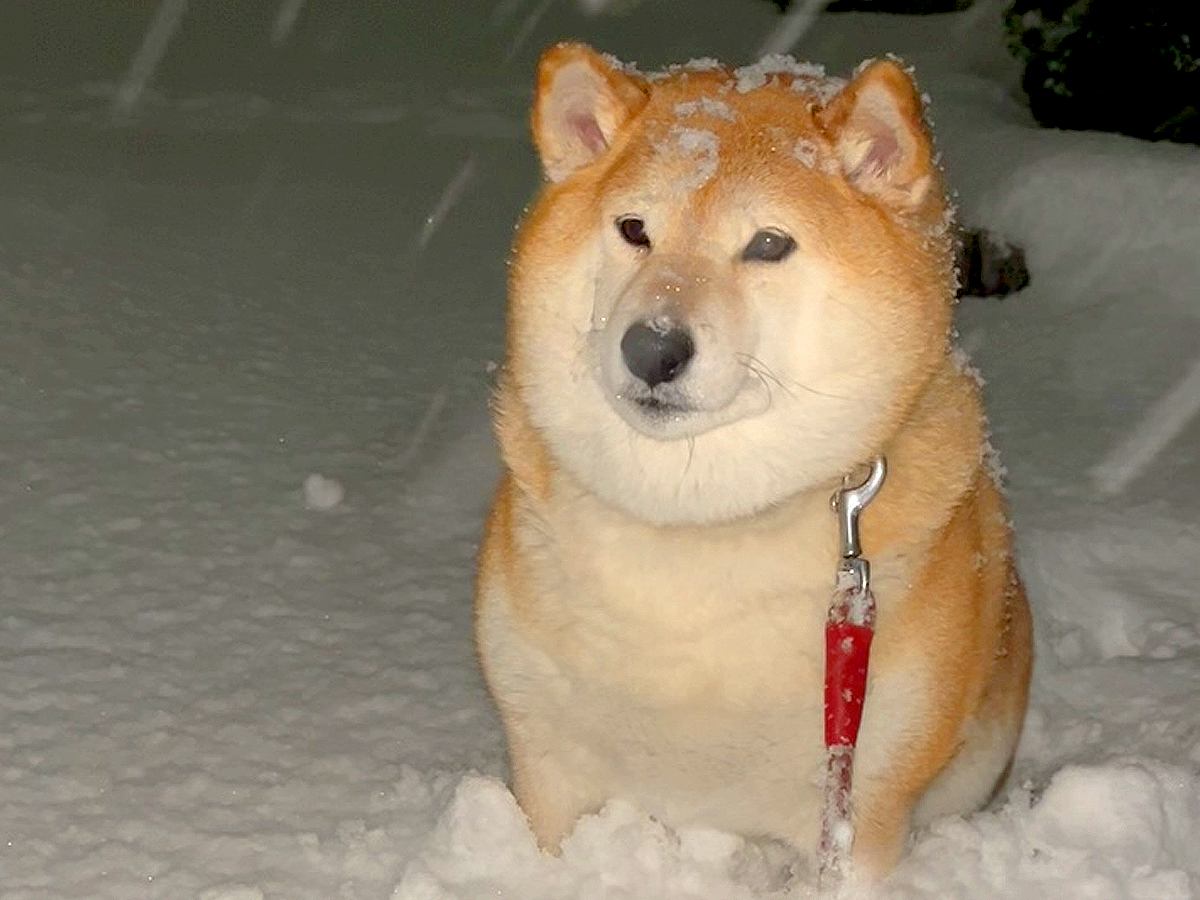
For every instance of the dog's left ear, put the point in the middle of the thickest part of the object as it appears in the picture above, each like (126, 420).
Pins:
(881, 139)
(580, 104)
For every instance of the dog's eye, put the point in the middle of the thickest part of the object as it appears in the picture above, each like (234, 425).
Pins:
(769, 245)
(633, 230)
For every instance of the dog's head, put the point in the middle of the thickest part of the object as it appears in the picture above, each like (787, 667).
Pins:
(735, 284)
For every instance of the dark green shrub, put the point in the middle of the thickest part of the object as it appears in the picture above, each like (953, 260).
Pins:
(1129, 66)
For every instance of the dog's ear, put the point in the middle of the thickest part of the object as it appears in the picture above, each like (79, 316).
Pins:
(581, 102)
(879, 132)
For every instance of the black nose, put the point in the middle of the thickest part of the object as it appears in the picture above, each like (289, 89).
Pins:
(656, 353)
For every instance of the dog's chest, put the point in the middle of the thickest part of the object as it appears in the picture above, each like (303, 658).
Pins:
(678, 670)
(685, 675)
(677, 617)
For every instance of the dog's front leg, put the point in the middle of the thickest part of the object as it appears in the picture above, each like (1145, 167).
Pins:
(881, 832)
(552, 794)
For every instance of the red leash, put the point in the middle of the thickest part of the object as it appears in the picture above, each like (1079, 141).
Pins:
(848, 634)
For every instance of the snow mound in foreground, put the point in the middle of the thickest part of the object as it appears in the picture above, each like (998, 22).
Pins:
(1121, 830)
(1125, 829)
(482, 846)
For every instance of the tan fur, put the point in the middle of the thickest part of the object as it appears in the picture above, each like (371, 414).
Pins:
(650, 609)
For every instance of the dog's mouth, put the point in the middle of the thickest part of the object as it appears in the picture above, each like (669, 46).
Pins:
(668, 415)
(662, 413)
(659, 406)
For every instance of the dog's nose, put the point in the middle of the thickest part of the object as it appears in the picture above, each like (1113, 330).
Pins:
(656, 351)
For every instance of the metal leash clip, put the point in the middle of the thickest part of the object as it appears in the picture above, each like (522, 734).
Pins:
(854, 572)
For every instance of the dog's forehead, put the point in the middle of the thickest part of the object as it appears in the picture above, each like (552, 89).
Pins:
(706, 132)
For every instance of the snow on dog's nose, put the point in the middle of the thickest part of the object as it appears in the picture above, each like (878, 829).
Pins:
(657, 350)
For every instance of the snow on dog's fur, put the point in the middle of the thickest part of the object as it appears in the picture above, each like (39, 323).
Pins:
(734, 290)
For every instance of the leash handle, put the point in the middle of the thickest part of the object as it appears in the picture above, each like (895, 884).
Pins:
(847, 653)
(848, 636)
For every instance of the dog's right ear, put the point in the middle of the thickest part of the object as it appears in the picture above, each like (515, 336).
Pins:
(581, 102)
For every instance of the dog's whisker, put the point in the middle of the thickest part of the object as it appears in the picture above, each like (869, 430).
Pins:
(756, 365)
(763, 371)
(765, 380)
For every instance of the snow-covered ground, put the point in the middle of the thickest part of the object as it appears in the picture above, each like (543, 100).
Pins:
(246, 345)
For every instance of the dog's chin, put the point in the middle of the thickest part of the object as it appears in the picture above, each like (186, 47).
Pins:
(664, 416)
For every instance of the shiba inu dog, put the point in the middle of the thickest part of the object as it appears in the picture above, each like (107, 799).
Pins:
(735, 289)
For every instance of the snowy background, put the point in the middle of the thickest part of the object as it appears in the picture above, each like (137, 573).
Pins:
(246, 336)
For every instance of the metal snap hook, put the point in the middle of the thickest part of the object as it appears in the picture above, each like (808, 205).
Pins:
(850, 501)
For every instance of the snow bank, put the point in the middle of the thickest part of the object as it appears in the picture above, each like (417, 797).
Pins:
(482, 846)
(1125, 829)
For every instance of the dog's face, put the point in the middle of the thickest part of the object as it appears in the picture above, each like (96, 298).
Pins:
(732, 290)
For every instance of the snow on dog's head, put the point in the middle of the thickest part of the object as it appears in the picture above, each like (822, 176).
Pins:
(702, 321)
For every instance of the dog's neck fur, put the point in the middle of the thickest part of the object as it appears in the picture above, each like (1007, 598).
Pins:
(933, 463)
